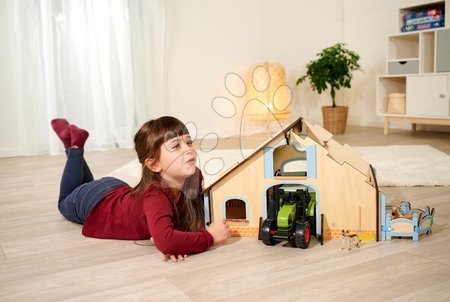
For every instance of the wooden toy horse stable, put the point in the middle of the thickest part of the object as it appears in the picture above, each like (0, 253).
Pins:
(341, 181)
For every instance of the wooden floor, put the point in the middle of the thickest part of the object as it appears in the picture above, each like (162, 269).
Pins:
(45, 258)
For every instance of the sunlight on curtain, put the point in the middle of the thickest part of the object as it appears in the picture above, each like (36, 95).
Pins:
(79, 60)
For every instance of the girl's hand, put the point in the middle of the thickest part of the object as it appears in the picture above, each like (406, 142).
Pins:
(166, 257)
(219, 231)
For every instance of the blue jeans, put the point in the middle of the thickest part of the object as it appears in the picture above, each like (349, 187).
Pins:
(79, 192)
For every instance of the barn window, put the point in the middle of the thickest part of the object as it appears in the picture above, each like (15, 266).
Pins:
(235, 209)
(288, 160)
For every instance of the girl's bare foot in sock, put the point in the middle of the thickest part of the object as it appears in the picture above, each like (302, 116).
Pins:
(61, 127)
(78, 136)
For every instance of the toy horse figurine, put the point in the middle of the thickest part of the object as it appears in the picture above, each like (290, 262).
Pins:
(348, 239)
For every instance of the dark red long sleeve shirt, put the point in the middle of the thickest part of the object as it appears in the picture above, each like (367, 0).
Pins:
(119, 215)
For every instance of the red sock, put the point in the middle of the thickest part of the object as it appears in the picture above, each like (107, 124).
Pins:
(61, 127)
(78, 136)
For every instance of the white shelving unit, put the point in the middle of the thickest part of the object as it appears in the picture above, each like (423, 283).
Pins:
(418, 65)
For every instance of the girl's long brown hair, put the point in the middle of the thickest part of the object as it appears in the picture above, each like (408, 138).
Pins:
(147, 143)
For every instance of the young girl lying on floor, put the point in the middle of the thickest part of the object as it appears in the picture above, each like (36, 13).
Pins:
(165, 206)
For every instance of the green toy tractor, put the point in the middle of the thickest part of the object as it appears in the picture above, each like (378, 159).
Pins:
(291, 216)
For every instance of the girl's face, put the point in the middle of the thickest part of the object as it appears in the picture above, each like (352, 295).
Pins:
(177, 160)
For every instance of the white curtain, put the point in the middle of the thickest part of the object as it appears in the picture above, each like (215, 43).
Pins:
(98, 63)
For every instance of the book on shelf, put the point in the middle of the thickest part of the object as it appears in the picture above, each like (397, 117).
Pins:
(422, 13)
(423, 26)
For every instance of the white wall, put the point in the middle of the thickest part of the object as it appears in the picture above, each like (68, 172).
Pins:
(208, 39)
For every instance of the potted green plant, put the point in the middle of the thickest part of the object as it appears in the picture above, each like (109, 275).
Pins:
(332, 70)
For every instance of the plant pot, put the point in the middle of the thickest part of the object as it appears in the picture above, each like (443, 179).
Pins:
(335, 118)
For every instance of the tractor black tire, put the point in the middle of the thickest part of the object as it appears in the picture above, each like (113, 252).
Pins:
(266, 236)
(302, 235)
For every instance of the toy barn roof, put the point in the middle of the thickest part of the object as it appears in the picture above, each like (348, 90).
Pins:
(336, 151)
(279, 135)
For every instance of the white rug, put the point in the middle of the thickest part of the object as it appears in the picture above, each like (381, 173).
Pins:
(396, 166)
(408, 165)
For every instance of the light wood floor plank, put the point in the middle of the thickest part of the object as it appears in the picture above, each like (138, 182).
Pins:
(436, 293)
(79, 257)
(158, 290)
(2, 254)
